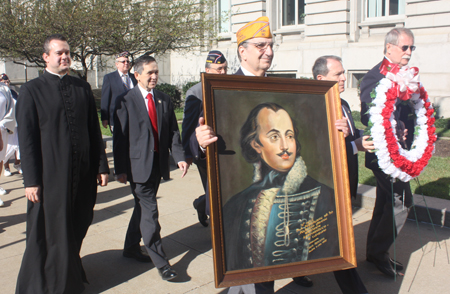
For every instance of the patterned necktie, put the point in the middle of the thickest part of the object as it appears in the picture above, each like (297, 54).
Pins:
(153, 118)
(125, 81)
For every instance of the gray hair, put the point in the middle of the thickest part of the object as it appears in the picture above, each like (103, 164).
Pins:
(320, 66)
(243, 44)
(394, 34)
(141, 61)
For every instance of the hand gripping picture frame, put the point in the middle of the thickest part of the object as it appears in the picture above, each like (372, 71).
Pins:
(278, 179)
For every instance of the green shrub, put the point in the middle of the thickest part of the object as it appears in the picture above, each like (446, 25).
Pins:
(187, 86)
(172, 91)
(442, 123)
(356, 116)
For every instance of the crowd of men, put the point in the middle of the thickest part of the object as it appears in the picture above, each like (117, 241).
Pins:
(64, 158)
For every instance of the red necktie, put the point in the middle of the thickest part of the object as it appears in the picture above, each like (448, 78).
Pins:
(153, 118)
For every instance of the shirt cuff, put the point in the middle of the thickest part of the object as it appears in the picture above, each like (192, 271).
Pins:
(355, 149)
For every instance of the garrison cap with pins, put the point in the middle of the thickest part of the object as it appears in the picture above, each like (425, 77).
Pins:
(258, 28)
(215, 56)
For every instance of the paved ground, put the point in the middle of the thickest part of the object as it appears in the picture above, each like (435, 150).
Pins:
(188, 246)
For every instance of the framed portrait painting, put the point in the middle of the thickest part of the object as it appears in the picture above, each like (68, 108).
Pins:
(278, 179)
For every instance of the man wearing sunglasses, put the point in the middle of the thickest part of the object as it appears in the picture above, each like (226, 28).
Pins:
(114, 84)
(398, 48)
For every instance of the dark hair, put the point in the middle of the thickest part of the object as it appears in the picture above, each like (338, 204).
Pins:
(320, 66)
(249, 132)
(50, 38)
(141, 61)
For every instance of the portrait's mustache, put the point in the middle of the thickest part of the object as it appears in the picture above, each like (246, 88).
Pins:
(285, 152)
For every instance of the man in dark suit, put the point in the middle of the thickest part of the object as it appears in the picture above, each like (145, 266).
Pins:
(114, 84)
(215, 64)
(145, 131)
(329, 68)
(398, 47)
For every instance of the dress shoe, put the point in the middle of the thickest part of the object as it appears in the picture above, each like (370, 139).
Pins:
(394, 263)
(303, 281)
(167, 273)
(202, 217)
(384, 266)
(137, 253)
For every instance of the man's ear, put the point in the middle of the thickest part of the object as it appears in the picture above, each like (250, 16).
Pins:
(388, 48)
(45, 57)
(256, 146)
(136, 75)
(242, 52)
(320, 77)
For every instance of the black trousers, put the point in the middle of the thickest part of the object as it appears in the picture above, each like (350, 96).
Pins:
(201, 202)
(145, 217)
(387, 220)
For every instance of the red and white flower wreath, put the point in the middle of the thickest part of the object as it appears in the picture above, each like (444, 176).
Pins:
(392, 158)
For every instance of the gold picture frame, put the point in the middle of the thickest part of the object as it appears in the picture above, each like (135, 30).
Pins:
(267, 222)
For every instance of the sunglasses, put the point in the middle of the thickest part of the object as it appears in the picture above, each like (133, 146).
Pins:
(405, 47)
(124, 61)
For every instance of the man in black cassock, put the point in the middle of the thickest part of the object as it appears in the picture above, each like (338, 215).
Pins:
(63, 157)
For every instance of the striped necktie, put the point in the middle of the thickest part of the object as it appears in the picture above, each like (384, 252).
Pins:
(125, 80)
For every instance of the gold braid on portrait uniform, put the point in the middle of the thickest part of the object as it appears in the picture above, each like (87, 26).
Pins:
(263, 206)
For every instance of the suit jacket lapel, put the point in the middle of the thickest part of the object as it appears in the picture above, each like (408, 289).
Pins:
(140, 105)
(159, 111)
(350, 119)
(133, 80)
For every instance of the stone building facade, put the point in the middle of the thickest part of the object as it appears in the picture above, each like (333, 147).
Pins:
(306, 29)
(352, 29)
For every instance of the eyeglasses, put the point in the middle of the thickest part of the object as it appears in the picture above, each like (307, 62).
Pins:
(262, 46)
(405, 47)
(123, 61)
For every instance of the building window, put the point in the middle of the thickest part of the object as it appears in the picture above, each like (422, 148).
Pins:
(292, 12)
(380, 8)
(224, 16)
(355, 78)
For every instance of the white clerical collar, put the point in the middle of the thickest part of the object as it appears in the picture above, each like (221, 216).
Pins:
(145, 92)
(248, 73)
(60, 76)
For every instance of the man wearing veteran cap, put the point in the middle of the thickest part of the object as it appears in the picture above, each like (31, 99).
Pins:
(255, 53)
(114, 84)
(255, 48)
(215, 64)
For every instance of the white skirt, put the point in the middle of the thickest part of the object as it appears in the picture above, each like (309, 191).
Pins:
(13, 146)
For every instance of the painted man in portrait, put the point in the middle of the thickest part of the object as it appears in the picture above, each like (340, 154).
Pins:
(285, 216)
